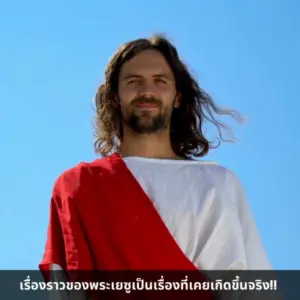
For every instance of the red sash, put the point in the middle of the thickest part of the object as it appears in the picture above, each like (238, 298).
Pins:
(101, 219)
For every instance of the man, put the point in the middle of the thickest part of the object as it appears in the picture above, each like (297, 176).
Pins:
(147, 204)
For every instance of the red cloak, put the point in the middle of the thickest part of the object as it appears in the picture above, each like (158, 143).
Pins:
(101, 219)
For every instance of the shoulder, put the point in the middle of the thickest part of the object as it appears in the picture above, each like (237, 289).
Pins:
(219, 172)
(224, 182)
(221, 177)
(69, 181)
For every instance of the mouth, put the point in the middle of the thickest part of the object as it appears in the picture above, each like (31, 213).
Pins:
(146, 105)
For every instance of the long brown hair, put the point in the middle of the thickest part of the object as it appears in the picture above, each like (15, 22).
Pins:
(197, 107)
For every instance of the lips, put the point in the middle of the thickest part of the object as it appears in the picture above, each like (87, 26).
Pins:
(146, 105)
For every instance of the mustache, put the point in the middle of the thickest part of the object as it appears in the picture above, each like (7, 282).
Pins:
(144, 100)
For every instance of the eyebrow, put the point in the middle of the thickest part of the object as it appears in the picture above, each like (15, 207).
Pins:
(129, 76)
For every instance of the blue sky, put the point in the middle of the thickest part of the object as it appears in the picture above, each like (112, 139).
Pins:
(52, 58)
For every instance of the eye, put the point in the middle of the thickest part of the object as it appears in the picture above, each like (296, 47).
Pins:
(133, 81)
(160, 80)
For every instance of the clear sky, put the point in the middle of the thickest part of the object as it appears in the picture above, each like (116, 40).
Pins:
(52, 58)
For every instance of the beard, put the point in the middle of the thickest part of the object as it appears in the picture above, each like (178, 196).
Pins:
(146, 121)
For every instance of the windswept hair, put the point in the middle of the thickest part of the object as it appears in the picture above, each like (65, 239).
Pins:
(197, 107)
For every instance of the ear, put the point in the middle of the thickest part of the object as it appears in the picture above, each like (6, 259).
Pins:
(116, 102)
(178, 101)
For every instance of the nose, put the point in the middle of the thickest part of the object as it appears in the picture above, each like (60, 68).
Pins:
(146, 89)
(147, 95)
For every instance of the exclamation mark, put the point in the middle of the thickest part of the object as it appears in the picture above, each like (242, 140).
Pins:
(273, 284)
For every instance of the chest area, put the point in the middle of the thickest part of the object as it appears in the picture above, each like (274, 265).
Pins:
(184, 193)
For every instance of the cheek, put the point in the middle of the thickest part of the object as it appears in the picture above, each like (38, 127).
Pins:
(126, 96)
(169, 97)
(168, 90)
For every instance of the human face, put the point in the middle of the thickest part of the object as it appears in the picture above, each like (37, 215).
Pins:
(147, 92)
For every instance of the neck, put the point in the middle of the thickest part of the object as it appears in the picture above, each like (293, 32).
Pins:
(156, 145)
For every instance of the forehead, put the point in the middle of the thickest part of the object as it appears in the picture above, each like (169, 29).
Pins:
(148, 62)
